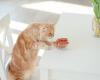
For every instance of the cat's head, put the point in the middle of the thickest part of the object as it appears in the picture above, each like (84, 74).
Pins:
(47, 30)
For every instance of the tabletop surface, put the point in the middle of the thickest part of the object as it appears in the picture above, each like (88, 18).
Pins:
(83, 52)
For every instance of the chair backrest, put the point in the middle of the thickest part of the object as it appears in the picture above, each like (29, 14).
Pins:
(4, 27)
(8, 50)
(6, 44)
(4, 30)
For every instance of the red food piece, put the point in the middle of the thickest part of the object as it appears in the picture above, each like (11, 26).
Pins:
(61, 42)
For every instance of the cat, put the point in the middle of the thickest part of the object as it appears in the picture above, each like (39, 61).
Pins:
(25, 51)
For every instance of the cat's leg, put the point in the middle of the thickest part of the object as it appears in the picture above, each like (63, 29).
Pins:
(44, 44)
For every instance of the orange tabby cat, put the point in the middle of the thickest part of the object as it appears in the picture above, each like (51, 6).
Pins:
(25, 51)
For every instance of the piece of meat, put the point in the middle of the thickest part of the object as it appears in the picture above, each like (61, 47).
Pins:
(61, 42)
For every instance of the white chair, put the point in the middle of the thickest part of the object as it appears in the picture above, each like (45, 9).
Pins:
(5, 35)
(6, 44)
(4, 30)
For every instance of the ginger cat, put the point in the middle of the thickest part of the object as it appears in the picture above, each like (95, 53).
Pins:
(25, 51)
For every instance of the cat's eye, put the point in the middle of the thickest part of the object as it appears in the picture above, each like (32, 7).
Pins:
(44, 29)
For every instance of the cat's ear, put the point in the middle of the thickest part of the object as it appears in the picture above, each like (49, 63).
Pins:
(5, 22)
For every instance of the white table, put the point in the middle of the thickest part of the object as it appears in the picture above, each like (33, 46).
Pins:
(82, 56)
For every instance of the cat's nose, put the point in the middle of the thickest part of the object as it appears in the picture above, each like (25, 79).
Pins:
(51, 35)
